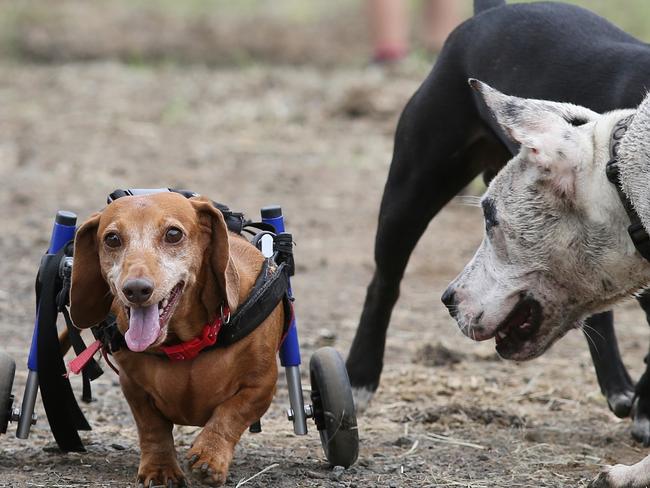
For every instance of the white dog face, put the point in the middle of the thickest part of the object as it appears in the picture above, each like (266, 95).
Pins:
(555, 247)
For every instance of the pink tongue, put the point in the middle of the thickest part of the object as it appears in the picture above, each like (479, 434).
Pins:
(144, 327)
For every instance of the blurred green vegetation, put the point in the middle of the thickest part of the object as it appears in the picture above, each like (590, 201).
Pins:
(220, 31)
(632, 16)
(292, 10)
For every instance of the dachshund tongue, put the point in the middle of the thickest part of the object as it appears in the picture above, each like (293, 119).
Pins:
(144, 327)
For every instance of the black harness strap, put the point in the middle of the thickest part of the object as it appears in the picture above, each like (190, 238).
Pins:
(107, 332)
(63, 412)
(92, 370)
(637, 232)
(269, 289)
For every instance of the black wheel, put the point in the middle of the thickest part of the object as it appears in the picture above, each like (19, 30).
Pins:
(7, 370)
(333, 405)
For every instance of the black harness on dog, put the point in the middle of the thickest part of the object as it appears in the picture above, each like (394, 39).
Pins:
(637, 232)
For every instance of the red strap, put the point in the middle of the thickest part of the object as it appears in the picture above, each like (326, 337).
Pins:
(77, 364)
(192, 348)
(186, 350)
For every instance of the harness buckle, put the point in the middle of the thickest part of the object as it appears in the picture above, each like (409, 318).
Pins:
(225, 318)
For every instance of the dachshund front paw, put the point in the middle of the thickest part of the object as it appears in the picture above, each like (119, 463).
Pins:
(209, 461)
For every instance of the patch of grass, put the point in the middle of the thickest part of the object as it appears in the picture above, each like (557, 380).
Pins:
(291, 10)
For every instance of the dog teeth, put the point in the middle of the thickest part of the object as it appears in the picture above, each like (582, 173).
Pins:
(525, 326)
(501, 334)
(165, 302)
(160, 312)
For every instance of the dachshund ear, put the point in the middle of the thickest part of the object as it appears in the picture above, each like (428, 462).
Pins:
(90, 297)
(218, 256)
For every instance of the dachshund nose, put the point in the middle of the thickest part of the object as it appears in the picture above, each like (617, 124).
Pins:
(449, 299)
(137, 290)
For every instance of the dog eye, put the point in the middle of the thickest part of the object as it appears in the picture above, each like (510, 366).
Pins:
(577, 121)
(112, 240)
(490, 213)
(173, 235)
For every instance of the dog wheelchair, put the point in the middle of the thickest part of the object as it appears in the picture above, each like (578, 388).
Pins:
(331, 408)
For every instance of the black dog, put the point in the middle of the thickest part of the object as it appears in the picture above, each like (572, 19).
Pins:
(446, 137)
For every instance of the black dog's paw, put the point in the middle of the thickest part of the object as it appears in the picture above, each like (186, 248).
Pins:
(362, 396)
(641, 422)
(641, 429)
(621, 403)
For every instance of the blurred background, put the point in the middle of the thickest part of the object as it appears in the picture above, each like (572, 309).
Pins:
(222, 32)
(282, 101)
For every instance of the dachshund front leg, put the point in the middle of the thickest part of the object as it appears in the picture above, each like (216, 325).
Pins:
(212, 451)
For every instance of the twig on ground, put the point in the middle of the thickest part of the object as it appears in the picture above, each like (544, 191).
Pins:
(464, 484)
(448, 440)
(411, 450)
(268, 468)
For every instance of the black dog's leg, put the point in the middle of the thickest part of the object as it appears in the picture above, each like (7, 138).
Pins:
(641, 423)
(432, 161)
(615, 383)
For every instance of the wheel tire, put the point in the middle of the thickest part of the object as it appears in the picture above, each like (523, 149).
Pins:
(7, 370)
(333, 406)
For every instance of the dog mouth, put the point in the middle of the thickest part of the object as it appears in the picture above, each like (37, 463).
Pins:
(147, 324)
(167, 305)
(519, 327)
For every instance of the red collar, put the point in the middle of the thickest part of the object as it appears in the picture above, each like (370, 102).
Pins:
(190, 349)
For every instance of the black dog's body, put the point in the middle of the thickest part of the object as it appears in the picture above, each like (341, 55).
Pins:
(446, 137)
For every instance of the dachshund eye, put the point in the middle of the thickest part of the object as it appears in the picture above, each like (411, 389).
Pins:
(173, 235)
(112, 240)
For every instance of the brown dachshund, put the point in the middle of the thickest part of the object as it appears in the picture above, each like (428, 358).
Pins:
(167, 266)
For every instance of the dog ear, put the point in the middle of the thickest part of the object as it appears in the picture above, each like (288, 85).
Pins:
(548, 131)
(90, 296)
(218, 254)
(634, 157)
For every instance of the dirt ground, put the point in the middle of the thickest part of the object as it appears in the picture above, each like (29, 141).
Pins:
(318, 142)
